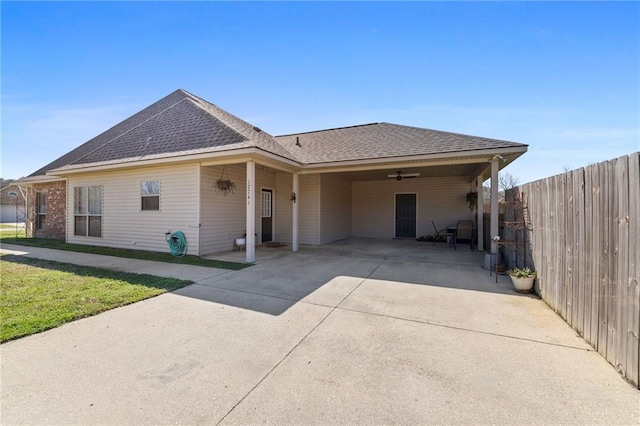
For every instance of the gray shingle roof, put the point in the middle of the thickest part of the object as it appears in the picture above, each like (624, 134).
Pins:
(259, 138)
(182, 123)
(181, 128)
(178, 124)
(116, 130)
(381, 140)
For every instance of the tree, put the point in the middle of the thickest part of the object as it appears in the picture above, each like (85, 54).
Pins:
(507, 181)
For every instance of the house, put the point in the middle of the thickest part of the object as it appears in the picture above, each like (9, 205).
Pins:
(11, 202)
(157, 171)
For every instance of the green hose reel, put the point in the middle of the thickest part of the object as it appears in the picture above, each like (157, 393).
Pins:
(177, 243)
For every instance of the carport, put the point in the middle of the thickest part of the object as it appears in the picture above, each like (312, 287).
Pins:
(387, 181)
(385, 201)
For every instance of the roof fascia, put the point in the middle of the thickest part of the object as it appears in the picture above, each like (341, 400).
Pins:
(38, 179)
(277, 162)
(209, 158)
(263, 158)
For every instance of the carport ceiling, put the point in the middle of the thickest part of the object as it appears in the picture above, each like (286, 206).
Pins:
(446, 170)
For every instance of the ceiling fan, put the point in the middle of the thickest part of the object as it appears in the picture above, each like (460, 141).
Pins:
(400, 175)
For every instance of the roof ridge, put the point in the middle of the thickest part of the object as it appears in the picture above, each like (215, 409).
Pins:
(226, 115)
(222, 111)
(129, 130)
(327, 130)
(198, 101)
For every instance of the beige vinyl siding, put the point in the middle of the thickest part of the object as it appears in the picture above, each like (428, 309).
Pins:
(125, 225)
(335, 204)
(222, 217)
(309, 208)
(439, 199)
(309, 213)
(282, 207)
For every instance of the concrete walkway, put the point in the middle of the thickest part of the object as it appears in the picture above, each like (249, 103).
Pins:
(318, 338)
(160, 269)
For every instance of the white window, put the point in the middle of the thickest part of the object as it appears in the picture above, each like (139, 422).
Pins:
(41, 205)
(150, 193)
(266, 203)
(87, 210)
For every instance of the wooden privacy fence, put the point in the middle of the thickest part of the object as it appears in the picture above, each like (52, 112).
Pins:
(582, 236)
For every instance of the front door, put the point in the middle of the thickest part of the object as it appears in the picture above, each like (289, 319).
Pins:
(406, 215)
(267, 215)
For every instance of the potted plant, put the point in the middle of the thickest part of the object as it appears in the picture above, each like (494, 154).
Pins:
(522, 279)
(224, 186)
(472, 199)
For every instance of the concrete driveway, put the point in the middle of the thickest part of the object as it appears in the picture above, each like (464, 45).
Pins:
(335, 335)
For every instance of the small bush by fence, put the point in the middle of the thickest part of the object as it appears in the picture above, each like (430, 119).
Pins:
(582, 235)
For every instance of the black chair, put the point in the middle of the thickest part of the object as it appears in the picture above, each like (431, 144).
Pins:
(451, 236)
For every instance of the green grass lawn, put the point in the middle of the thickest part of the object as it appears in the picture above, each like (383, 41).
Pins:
(131, 254)
(36, 295)
(9, 231)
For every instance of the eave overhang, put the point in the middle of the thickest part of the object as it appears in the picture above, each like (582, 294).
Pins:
(32, 180)
(205, 159)
(482, 158)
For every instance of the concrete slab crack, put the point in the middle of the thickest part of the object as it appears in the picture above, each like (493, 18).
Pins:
(452, 327)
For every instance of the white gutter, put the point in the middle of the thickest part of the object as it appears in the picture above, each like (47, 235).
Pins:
(236, 155)
(40, 179)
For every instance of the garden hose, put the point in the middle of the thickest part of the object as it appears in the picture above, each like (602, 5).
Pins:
(177, 243)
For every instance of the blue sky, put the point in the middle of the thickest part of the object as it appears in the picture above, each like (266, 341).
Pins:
(563, 77)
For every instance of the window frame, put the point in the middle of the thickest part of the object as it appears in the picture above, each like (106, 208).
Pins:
(266, 203)
(150, 190)
(41, 204)
(86, 211)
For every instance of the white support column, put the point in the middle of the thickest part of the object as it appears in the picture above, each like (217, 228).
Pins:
(294, 222)
(494, 200)
(480, 211)
(251, 213)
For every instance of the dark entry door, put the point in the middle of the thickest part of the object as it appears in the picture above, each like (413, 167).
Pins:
(406, 215)
(267, 215)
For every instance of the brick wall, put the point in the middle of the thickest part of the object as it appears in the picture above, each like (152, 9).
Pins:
(56, 201)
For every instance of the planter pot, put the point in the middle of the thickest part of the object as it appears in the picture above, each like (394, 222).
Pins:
(522, 285)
